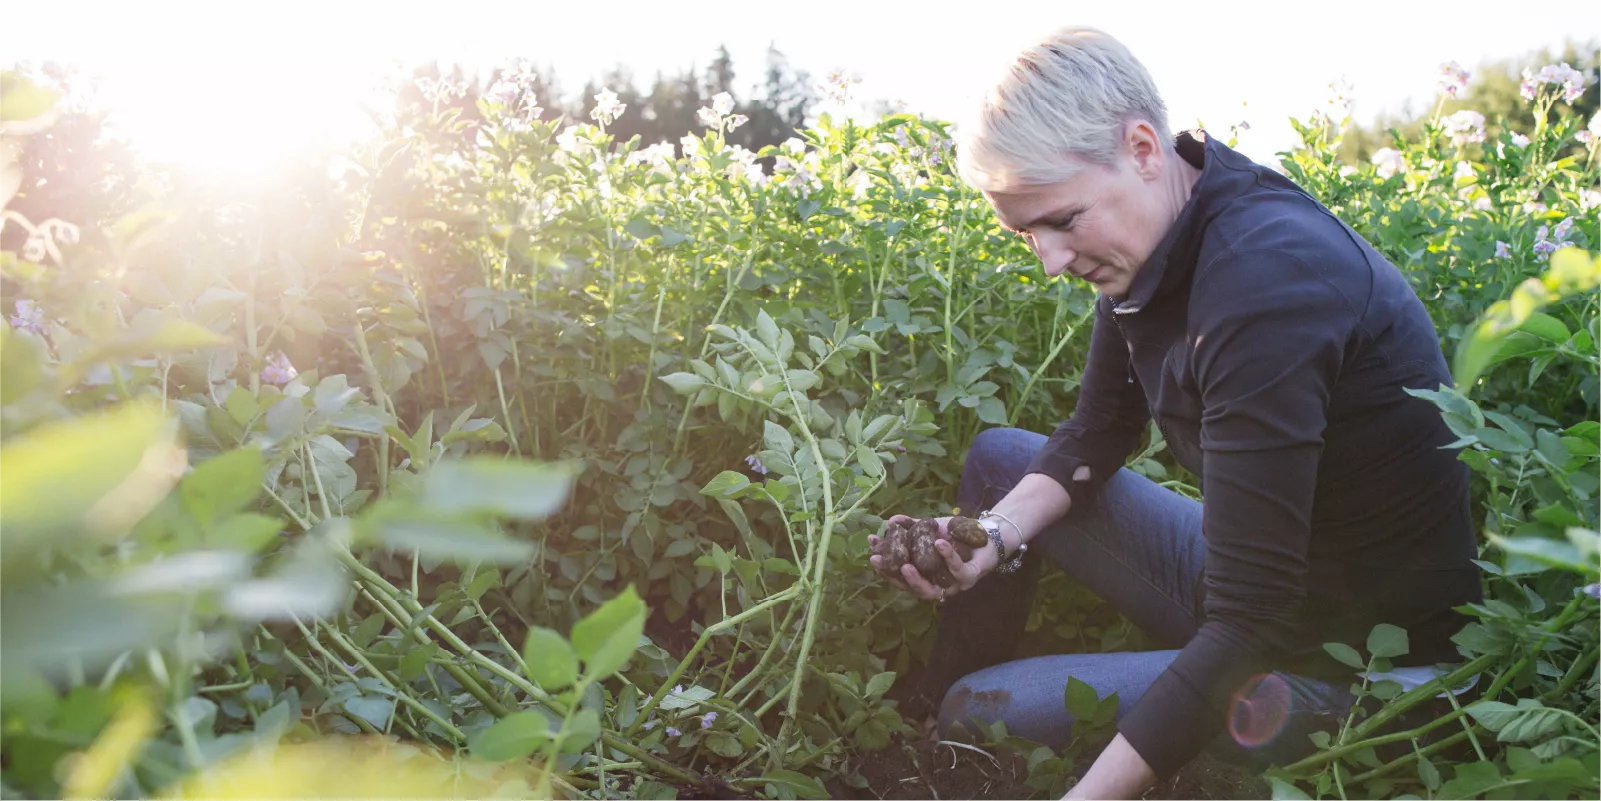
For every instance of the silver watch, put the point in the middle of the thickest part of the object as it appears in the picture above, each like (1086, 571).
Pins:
(991, 524)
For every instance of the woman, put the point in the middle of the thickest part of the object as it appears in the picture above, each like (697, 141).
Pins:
(1271, 345)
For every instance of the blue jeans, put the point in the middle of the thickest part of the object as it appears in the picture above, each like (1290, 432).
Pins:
(1139, 547)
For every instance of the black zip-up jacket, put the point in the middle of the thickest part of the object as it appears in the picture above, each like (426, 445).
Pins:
(1271, 344)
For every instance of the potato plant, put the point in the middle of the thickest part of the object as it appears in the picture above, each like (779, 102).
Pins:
(522, 460)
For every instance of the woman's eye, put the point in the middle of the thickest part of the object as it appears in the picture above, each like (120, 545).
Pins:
(1064, 225)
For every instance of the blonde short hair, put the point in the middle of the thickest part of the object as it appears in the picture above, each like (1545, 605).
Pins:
(1068, 94)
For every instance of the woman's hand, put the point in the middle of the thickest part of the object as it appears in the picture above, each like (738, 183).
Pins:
(964, 574)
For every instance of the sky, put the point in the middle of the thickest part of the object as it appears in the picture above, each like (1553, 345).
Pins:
(226, 84)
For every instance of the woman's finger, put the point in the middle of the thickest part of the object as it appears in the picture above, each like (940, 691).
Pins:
(919, 585)
(966, 574)
(897, 583)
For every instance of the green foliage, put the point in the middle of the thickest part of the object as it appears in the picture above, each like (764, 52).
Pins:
(548, 382)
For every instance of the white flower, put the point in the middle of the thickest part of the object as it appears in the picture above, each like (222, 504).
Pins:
(1584, 137)
(1465, 126)
(1519, 140)
(1569, 79)
(1464, 170)
(659, 156)
(736, 120)
(794, 145)
(1453, 79)
(722, 104)
(708, 118)
(607, 108)
(859, 182)
(503, 91)
(690, 144)
(1595, 124)
(1589, 199)
(1483, 203)
(1534, 207)
(838, 86)
(1502, 250)
(569, 141)
(1389, 161)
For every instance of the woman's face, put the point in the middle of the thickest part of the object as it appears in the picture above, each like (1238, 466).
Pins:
(1103, 223)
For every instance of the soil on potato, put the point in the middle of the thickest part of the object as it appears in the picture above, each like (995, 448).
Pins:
(922, 769)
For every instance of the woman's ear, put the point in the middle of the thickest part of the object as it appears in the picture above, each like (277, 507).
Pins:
(1145, 149)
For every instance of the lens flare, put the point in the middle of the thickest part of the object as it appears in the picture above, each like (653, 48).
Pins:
(1258, 712)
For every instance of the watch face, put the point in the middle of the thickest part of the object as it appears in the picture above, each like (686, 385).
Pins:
(989, 525)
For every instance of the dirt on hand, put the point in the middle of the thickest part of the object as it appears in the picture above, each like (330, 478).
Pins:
(913, 543)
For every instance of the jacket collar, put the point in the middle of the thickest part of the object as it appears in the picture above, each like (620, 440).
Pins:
(1224, 175)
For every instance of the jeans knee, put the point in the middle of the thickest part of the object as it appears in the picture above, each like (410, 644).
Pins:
(965, 705)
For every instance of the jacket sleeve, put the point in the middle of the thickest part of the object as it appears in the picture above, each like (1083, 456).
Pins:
(1108, 419)
(1270, 335)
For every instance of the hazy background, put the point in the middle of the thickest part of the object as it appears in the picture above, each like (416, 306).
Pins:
(220, 83)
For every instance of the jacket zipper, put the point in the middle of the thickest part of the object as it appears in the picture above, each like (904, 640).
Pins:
(1160, 425)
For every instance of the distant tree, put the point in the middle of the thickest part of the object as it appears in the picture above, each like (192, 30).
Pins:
(1492, 91)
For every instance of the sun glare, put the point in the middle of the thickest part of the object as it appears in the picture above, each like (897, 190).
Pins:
(240, 122)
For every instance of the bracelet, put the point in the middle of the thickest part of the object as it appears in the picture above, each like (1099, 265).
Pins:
(1021, 544)
(1004, 565)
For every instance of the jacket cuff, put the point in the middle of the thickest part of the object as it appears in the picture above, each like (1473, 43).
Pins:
(1170, 725)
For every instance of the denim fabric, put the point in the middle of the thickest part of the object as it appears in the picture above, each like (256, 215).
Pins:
(1139, 547)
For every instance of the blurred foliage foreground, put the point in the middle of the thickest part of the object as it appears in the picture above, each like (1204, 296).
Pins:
(509, 459)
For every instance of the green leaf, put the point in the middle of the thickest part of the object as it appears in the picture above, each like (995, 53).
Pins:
(526, 490)
(24, 100)
(1526, 722)
(512, 737)
(1345, 654)
(777, 438)
(801, 380)
(720, 559)
(800, 784)
(869, 461)
(482, 583)
(453, 540)
(1081, 699)
(684, 383)
(1546, 327)
(724, 745)
(286, 419)
(247, 532)
(52, 476)
(992, 411)
(1471, 779)
(367, 630)
(1285, 791)
(726, 484)
(607, 638)
(1501, 441)
(1387, 641)
(1428, 773)
(223, 484)
(150, 336)
(766, 329)
(241, 406)
(879, 684)
(1512, 427)
(582, 732)
(1564, 555)
(372, 709)
(551, 661)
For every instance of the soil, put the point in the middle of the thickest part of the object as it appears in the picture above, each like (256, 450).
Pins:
(923, 769)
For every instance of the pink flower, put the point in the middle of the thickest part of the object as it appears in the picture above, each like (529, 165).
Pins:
(1453, 79)
(278, 370)
(1465, 126)
(29, 317)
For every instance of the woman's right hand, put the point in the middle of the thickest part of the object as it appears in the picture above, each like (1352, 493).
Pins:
(965, 574)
